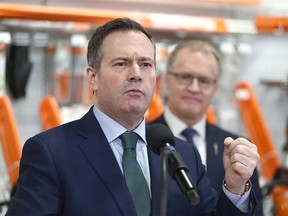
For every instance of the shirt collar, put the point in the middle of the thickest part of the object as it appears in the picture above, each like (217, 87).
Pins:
(112, 129)
(177, 126)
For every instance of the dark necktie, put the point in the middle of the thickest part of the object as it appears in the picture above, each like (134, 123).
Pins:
(133, 174)
(188, 133)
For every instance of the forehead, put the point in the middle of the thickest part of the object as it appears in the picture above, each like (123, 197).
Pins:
(188, 56)
(127, 41)
(196, 62)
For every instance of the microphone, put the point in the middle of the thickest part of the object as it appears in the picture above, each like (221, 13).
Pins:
(160, 139)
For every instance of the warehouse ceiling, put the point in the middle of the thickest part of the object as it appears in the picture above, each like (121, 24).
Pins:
(241, 9)
(240, 14)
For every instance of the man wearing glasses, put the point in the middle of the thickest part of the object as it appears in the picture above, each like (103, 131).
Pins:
(193, 69)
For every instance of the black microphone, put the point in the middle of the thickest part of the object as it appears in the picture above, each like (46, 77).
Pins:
(160, 138)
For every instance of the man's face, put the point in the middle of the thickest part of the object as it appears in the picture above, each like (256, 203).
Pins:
(189, 100)
(125, 83)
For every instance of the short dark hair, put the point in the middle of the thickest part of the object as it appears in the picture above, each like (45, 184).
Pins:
(95, 54)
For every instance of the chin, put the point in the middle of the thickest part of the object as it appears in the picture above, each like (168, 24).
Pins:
(136, 110)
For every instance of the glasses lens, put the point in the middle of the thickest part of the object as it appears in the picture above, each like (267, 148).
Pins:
(187, 79)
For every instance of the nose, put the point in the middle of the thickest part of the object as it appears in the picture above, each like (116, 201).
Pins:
(135, 73)
(194, 85)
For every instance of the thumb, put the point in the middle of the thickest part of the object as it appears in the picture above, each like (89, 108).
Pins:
(227, 144)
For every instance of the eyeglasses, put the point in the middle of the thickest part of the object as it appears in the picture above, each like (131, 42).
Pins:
(186, 79)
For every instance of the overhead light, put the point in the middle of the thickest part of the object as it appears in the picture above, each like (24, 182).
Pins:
(240, 26)
(78, 40)
(244, 48)
(5, 37)
(41, 39)
(227, 48)
(21, 38)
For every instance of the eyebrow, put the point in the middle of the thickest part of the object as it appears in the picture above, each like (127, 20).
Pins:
(120, 58)
(128, 59)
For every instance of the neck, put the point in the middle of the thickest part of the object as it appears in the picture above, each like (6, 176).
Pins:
(130, 122)
(190, 121)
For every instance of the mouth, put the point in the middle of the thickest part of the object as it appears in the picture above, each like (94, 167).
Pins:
(193, 100)
(135, 92)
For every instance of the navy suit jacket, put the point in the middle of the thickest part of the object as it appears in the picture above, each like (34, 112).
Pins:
(71, 170)
(215, 170)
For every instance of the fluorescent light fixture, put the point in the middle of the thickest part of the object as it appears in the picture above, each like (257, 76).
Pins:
(5, 37)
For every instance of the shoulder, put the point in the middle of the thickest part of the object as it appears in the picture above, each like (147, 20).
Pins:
(59, 130)
(54, 138)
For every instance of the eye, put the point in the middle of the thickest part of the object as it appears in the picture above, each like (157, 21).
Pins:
(204, 80)
(185, 76)
(146, 64)
(120, 64)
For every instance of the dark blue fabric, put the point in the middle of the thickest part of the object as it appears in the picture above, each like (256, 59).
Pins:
(189, 133)
(71, 170)
(215, 170)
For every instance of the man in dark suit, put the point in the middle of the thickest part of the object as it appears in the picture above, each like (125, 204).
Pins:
(80, 168)
(192, 72)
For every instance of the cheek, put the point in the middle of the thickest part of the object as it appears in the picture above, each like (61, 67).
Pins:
(150, 82)
(108, 87)
(174, 90)
(208, 97)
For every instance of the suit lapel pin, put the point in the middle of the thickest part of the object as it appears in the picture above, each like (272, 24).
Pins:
(215, 146)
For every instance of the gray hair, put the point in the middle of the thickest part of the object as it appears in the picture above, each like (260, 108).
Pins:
(193, 46)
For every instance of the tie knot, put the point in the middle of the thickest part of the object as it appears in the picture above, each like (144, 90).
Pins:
(189, 133)
(129, 140)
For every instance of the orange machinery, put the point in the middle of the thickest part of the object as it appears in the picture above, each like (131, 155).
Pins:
(155, 109)
(210, 115)
(49, 112)
(257, 129)
(9, 139)
(270, 163)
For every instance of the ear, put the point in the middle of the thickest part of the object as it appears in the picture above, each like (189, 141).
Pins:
(92, 78)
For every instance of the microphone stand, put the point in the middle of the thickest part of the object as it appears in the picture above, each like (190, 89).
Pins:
(164, 179)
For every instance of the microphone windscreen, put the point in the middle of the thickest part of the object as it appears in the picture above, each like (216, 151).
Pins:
(157, 136)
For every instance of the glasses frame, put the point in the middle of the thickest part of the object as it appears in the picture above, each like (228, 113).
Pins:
(186, 79)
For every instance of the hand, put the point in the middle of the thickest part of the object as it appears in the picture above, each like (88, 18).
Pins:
(240, 158)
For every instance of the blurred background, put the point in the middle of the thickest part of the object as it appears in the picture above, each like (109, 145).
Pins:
(43, 81)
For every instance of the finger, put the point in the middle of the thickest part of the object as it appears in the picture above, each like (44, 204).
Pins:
(243, 170)
(247, 161)
(227, 144)
(244, 150)
(245, 142)
(239, 142)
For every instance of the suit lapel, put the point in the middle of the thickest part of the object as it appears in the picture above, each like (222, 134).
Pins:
(214, 151)
(99, 155)
(155, 172)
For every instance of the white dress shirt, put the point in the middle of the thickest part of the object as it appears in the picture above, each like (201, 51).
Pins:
(177, 126)
(113, 130)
